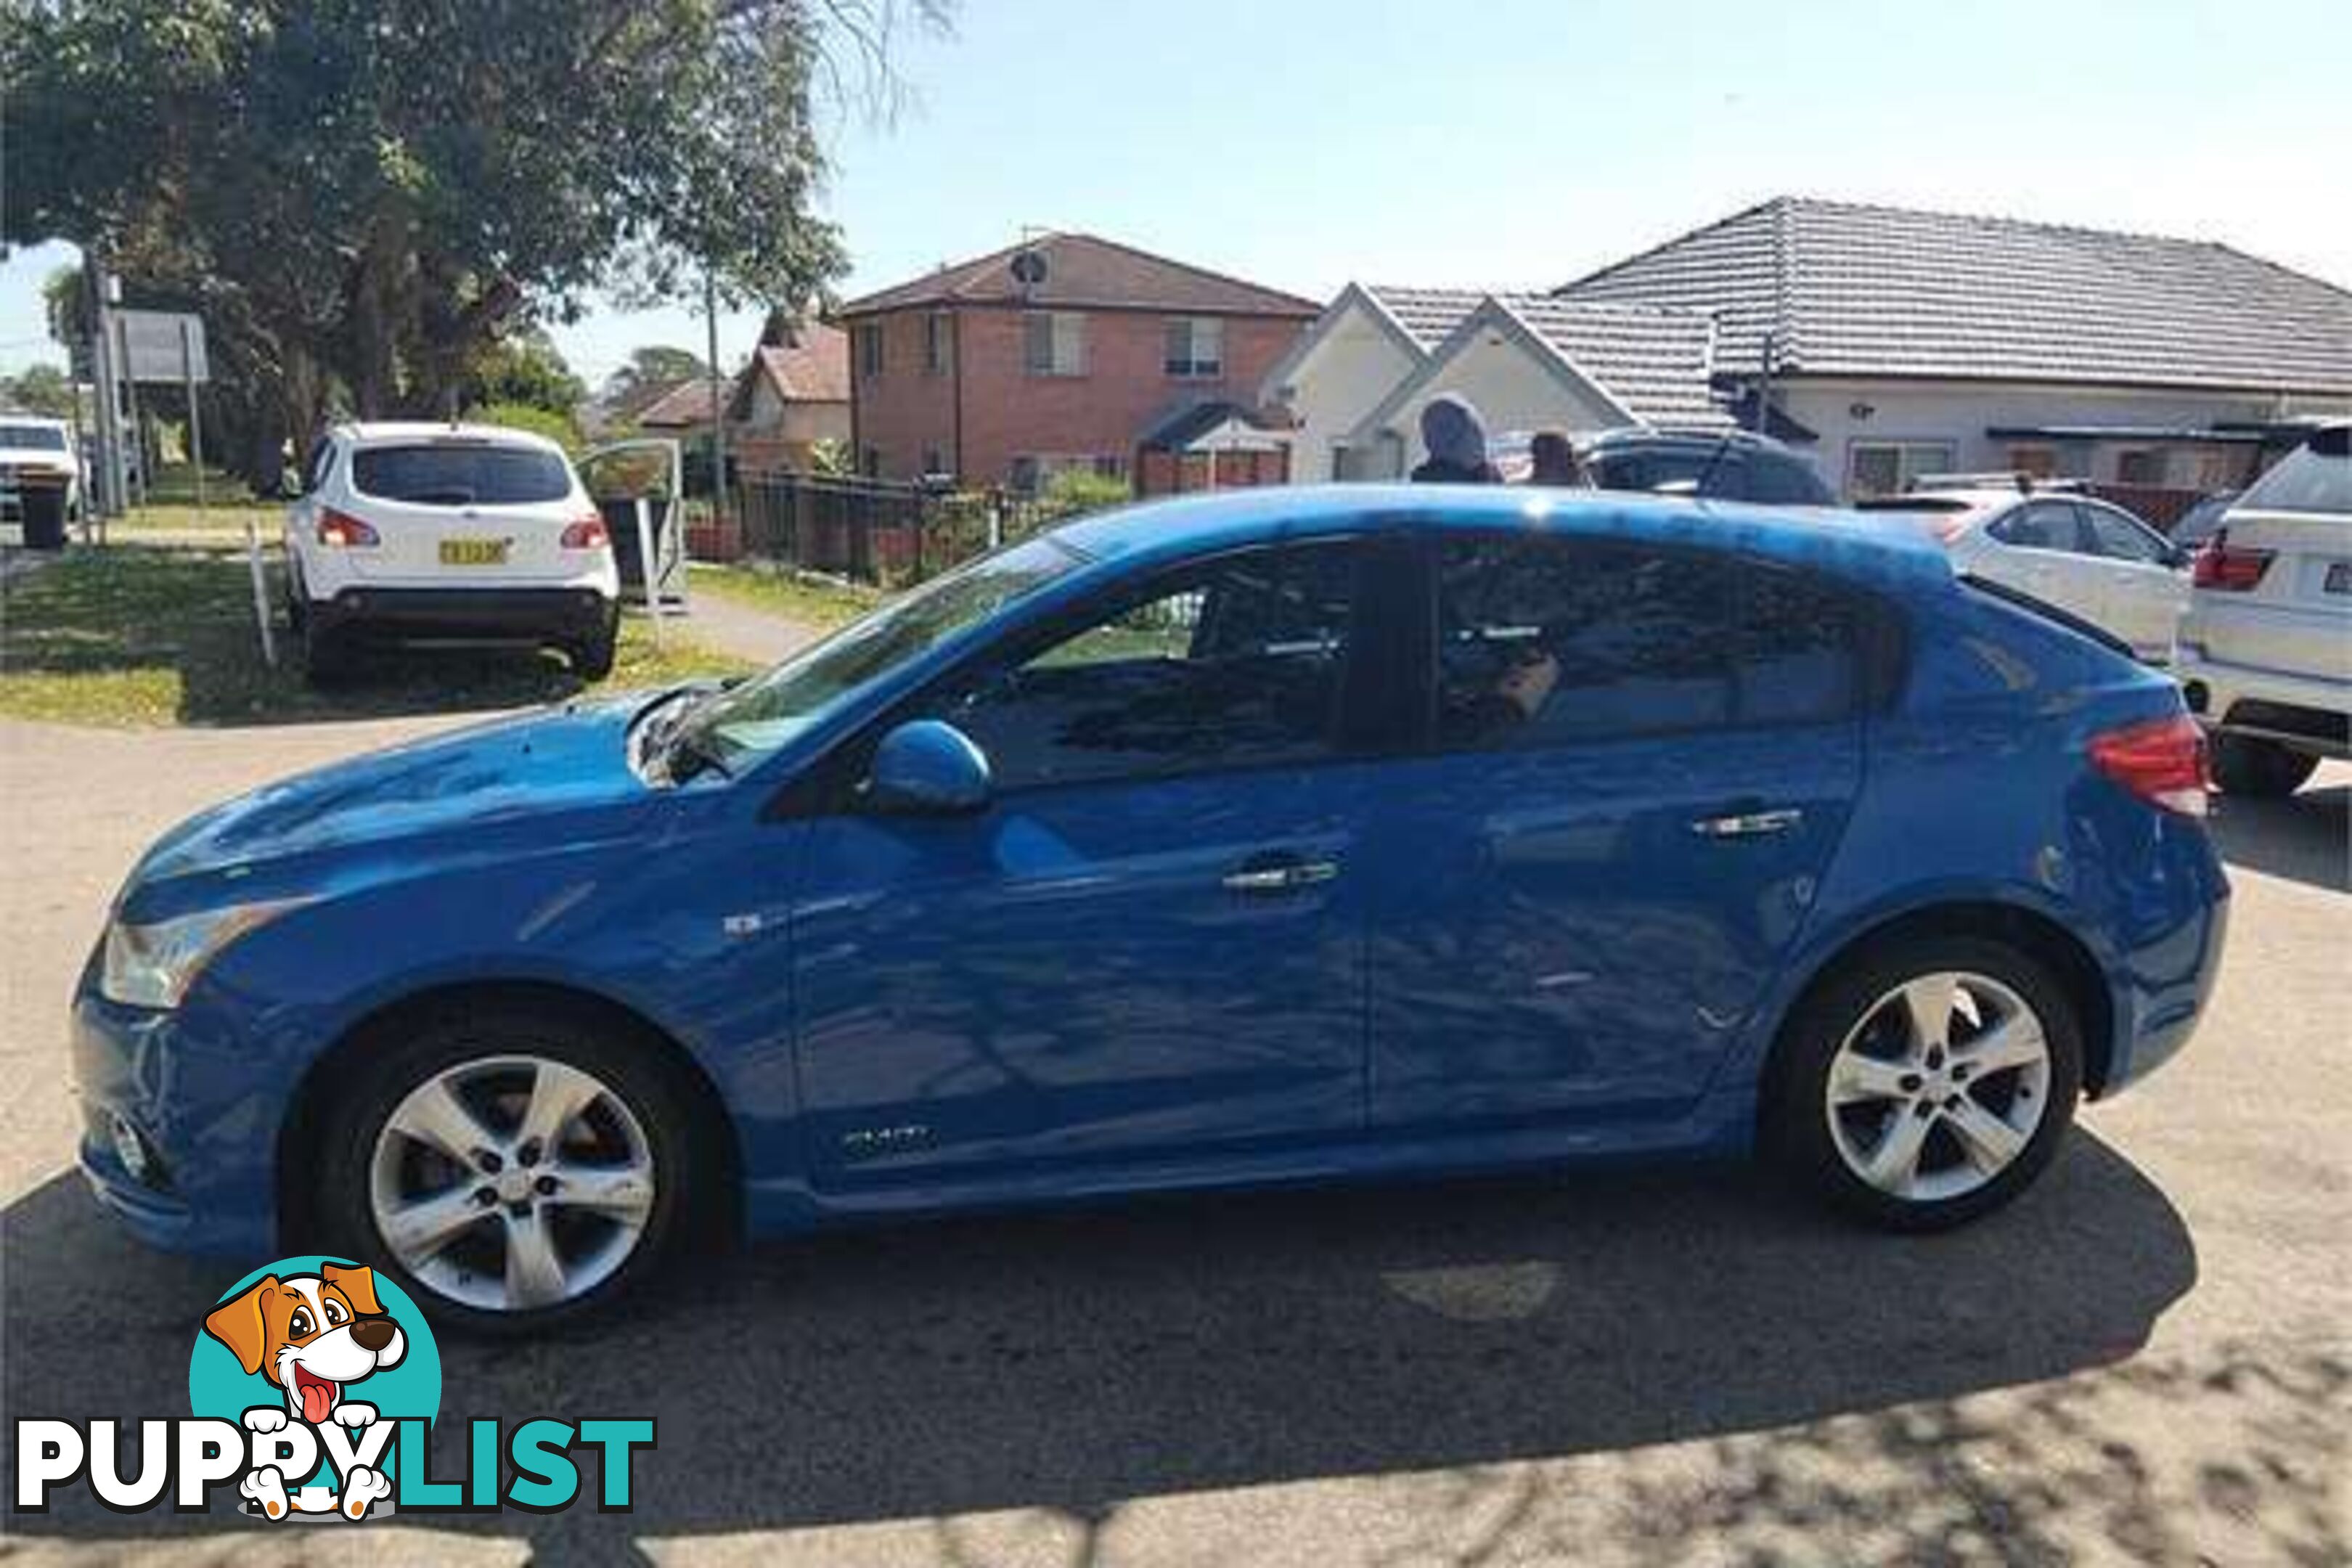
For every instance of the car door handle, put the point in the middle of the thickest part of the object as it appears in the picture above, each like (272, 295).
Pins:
(1747, 823)
(1279, 874)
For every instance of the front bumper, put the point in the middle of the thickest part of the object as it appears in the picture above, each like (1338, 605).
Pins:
(206, 1111)
(560, 615)
(2307, 713)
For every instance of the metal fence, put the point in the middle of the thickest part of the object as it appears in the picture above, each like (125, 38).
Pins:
(870, 530)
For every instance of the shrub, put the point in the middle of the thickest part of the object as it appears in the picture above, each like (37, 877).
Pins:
(1076, 490)
(557, 428)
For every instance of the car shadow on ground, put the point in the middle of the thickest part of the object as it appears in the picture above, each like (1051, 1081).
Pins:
(2306, 837)
(1072, 1362)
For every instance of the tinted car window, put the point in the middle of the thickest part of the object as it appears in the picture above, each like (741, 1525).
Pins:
(1552, 641)
(33, 437)
(2038, 525)
(1238, 662)
(2119, 537)
(448, 473)
(1777, 480)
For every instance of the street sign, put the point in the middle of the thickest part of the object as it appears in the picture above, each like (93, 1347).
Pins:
(163, 345)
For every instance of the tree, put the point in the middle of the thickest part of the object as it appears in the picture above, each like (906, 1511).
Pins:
(525, 368)
(40, 389)
(364, 195)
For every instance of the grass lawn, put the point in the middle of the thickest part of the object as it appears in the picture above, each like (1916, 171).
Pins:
(811, 601)
(227, 519)
(132, 637)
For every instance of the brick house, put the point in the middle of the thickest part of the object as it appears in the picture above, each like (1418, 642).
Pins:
(1065, 351)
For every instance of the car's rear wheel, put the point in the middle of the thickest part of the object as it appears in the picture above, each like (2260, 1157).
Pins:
(326, 653)
(2263, 769)
(1927, 1083)
(592, 656)
(514, 1170)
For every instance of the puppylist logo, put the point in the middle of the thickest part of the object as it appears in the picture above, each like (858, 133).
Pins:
(314, 1387)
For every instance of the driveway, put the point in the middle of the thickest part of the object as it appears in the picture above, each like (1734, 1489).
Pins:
(2147, 1362)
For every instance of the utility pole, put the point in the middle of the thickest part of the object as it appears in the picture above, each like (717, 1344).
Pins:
(105, 379)
(717, 417)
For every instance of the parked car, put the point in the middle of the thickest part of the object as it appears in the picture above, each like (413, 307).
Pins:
(1720, 465)
(38, 468)
(1258, 838)
(2094, 560)
(2266, 648)
(463, 532)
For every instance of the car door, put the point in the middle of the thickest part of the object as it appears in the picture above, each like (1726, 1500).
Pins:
(2142, 595)
(2045, 551)
(1637, 764)
(1151, 944)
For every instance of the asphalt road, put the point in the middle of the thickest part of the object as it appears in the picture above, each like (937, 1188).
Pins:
(2149, 1361)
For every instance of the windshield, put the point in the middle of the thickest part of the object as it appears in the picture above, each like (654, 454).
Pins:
(42, 438)
(2303, 481)
(454, 473)
(755, 718)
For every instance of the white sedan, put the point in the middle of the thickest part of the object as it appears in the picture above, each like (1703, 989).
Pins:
(2095, 562)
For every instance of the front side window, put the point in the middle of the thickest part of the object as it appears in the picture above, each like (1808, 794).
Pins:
(461, 473)
(2041, 525)
(1237, 662)
(2118, 538)
(1196, 348)
(1548, 641)
(1054, 342)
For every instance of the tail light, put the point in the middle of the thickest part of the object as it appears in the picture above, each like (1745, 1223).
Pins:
(2162, 760)
(2226, 568)
(341, 531)
(587, 532)
(1947, 527)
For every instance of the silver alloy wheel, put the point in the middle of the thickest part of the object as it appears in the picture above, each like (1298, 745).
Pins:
(511, 1181)
(1939, 1088)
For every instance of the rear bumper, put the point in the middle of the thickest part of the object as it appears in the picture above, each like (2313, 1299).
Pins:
(559, 614)
(2307, 713)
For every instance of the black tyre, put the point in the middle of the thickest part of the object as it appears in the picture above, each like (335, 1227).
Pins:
(1926, 1082)
(592, 656)
(2263, 770)
(326, 654)
(514, 1168)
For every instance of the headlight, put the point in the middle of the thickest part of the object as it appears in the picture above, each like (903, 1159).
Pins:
(153, 965)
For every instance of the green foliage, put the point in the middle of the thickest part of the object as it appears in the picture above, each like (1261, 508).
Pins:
(525, 368)
(557, 428)
(39, 389)
(1074, 490)
(651, 370)
(832, 457)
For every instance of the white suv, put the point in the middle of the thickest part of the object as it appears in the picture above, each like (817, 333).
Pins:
(448, 531)
(2266, 649)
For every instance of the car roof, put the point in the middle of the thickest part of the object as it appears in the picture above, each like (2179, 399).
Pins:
(367, 432)
(1738, 440)
(1844, 541)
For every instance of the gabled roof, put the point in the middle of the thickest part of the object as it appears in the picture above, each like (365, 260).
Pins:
(1851, 289)
(811, 367)
(1085, 271)
(684, 405)
(1428, 315)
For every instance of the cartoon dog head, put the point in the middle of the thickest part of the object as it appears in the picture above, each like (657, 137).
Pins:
(311, 1334)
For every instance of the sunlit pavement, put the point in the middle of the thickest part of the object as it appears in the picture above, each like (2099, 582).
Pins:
(2148, 1361)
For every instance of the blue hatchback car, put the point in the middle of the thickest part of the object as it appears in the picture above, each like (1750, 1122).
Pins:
(1291, 836)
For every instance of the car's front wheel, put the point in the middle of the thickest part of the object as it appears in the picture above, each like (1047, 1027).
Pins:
(513, 1169)
(2263, 769)
(1927, 1083)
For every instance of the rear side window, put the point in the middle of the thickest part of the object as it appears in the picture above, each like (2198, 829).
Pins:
(1776, 480)
(1545, 641)
(454, 473)
(2305, 480)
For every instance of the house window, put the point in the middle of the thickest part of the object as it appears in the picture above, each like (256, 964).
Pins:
(1889, 467)
(1022, 476)
(1196, 348)
(870, 462)
(2141, 466)
(2037, 462)
(938, 337)
(870, 348)
(933, 462)
(1110, 468)
(1056, 342)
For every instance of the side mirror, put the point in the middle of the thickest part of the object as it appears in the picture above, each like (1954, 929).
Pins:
(926, 768)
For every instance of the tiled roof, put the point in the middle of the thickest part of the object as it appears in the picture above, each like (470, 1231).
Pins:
(1084, 271)
(685, 404)
(813, 369)
(1653, 360)
(1869, 290)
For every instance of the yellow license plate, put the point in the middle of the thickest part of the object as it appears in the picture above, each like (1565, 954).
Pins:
(473, 552)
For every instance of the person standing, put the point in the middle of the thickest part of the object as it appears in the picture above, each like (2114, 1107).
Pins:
(1457, 439)
(1554, 460)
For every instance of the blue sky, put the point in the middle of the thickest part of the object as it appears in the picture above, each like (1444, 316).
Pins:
(1519, 142)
